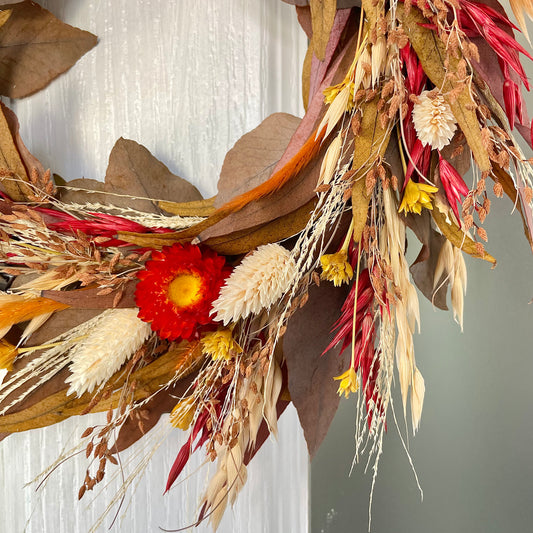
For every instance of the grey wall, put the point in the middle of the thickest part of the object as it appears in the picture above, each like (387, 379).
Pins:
(474, 450)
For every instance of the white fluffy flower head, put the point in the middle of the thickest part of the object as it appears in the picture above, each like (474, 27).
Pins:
(258, 282)
(115, 338)
(433, 120)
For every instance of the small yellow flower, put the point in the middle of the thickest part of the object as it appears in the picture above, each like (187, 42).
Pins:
(335, 267)
(416, 196)
(220, 344)
(348, 382)
(8, 353)
(182, 415)
(332, 92)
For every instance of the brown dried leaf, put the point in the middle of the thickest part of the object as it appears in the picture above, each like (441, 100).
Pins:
(36, 47)
(251, 161)
(457, 154)
(306, 76)
(134, 171)
(370, 144)
(243, 241)
(163, 402)
(28, 159)
(85, 195)
(89, 298)
(318, 68)
(11, 160)
(196, 208)
(322, 17)
(311, 384)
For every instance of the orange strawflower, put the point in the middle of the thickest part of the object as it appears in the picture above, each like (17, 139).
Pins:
(177, 288)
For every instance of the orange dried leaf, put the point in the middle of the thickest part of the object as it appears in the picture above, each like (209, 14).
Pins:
(22, 310)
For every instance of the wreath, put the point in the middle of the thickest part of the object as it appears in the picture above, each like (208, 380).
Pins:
(292, 283)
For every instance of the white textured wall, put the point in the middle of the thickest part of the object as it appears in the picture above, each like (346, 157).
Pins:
(185, 78)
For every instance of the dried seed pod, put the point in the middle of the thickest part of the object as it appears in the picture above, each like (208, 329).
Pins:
(89, 449)
(87, 432)
(482, 234)
(498, 189)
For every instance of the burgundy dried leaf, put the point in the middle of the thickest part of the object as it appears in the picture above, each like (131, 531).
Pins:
(311, 385)
(304, 18)
(36, 47)
(423, 269)
(319, 68)
(490, 70)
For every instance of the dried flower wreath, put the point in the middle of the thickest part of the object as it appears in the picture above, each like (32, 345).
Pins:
(401, 100)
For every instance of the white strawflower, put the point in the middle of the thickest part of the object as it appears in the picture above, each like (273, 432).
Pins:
(118, 335)
(258, 282)
(434, 121)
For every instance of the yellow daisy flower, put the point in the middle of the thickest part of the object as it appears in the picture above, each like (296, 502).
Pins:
(416, 196)
(336, 268)
(348, 382)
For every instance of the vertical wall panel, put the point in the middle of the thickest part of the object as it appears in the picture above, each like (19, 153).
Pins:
(186, 79)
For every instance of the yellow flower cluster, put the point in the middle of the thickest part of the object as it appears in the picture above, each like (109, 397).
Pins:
(335, 267)
(332, 92)
(416, 196)
(219, 344)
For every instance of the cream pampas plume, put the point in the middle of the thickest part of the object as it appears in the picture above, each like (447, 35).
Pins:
(452, 263)
(258, 282)
(518, 7)
(105, 349)
(433, 120)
